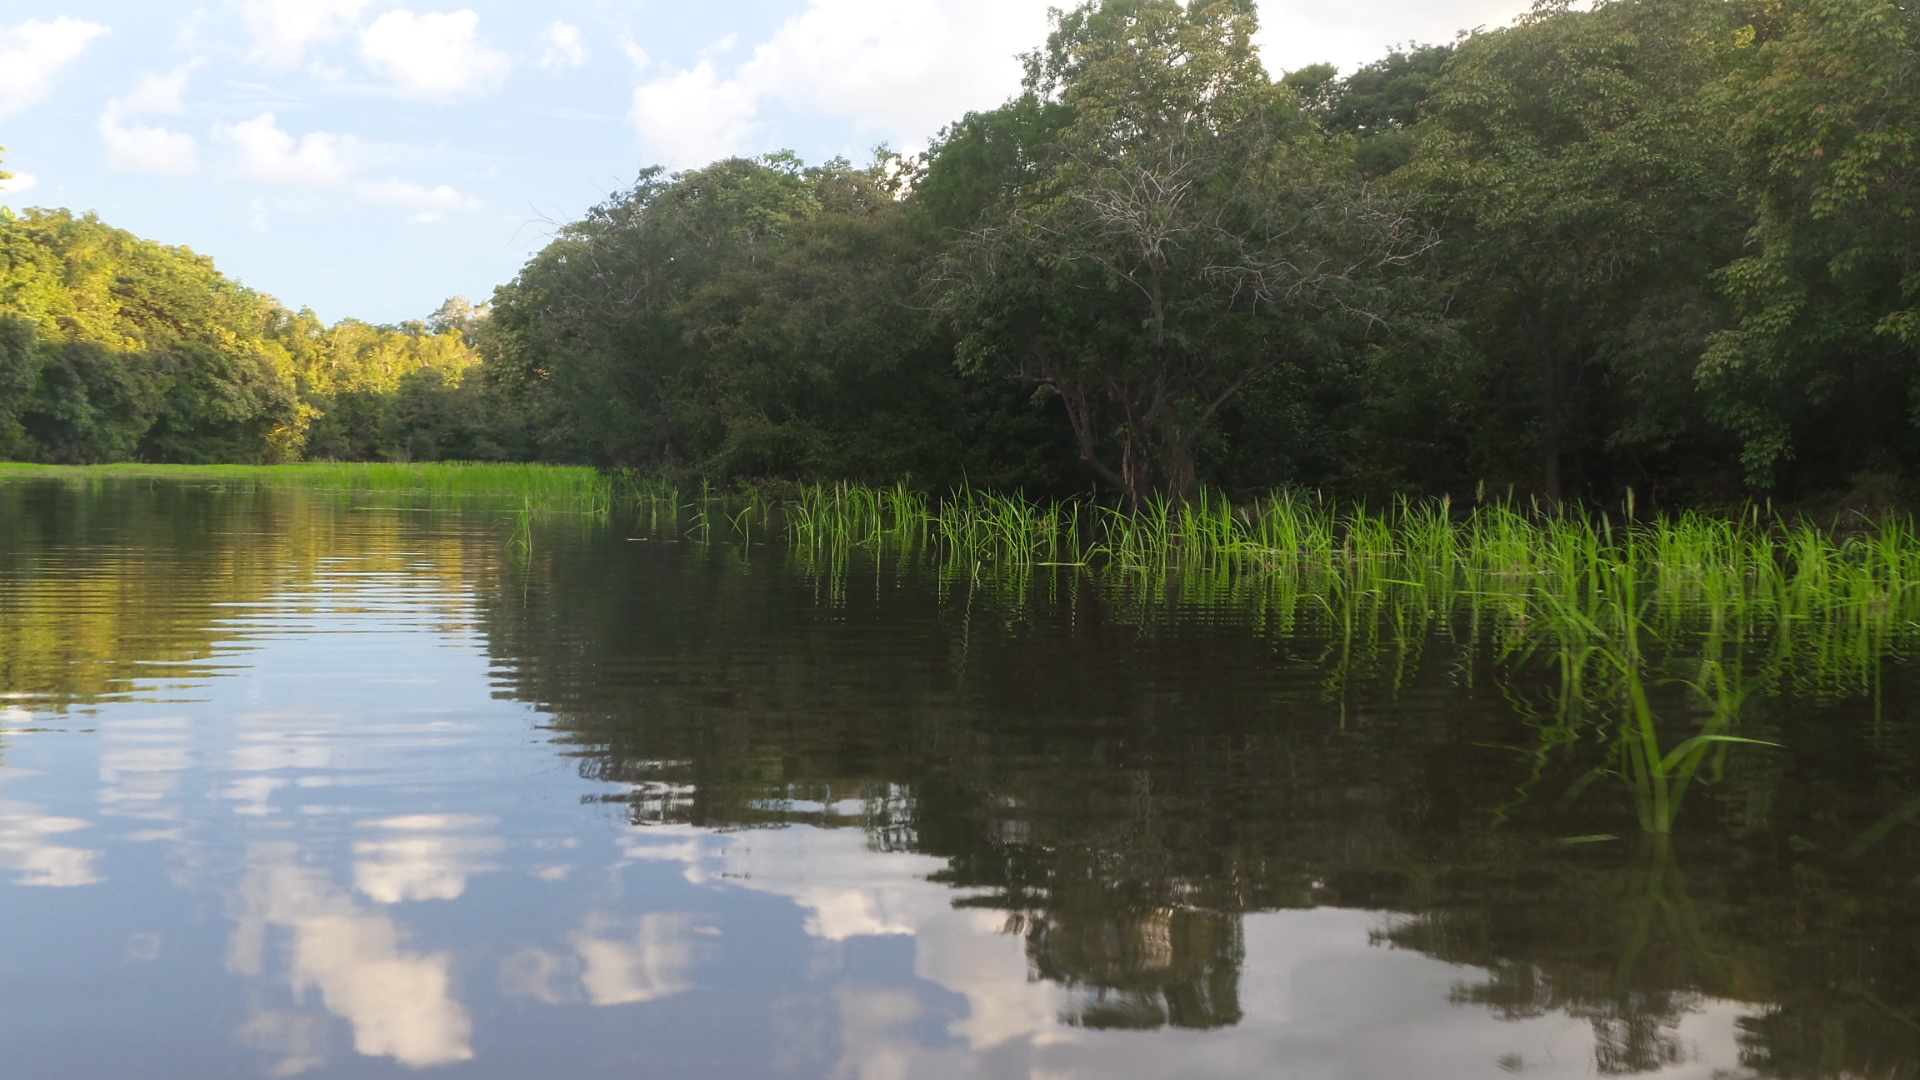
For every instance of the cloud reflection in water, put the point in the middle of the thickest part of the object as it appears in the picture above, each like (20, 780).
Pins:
(399, 1003)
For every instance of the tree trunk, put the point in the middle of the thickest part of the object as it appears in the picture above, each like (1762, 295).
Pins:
(1182, 478)
(1551, 393)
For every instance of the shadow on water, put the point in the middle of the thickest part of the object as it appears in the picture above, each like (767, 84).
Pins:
(1606, 781)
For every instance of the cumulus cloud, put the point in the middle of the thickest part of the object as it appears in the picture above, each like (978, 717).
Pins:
(157, 93)
(32, 53)
(322, 160)
(436, 55)
(423, 203)
(267, 153)
(19, 182)
(562, 46)
(691, 117)
(145, 148)
(898, 69)
(283, 30)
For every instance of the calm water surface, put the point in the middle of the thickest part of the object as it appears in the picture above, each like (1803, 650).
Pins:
(305, 786)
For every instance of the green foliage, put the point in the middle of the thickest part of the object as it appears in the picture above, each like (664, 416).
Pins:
(114, 348)
(1380, 104)
(1826, 125)
(1576, 165)
(753, 318)
(141, 350)
(1185, 233)
(400, 393)
(1660, 244)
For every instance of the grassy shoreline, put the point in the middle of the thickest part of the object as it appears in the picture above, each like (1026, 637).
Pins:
(544, 487)
(1409, 561)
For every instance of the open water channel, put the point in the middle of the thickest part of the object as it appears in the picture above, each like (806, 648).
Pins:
(294, 785)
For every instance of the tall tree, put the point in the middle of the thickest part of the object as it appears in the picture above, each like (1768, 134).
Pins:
(1826, 97)
(144, 351)
(1576, 167)
(750, 318)
(1188, 233)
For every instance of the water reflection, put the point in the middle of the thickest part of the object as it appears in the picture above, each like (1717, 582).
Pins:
(26, 848)
(399, 1001)
(398, 802)
(422, 856)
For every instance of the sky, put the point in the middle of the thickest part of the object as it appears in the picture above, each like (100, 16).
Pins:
(371, 158)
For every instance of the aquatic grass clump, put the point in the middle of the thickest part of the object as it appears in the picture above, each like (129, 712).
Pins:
(1716, 609)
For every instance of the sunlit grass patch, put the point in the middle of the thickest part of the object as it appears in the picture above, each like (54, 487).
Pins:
(543, 488)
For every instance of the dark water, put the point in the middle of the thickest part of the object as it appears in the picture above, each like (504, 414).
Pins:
(297, 787)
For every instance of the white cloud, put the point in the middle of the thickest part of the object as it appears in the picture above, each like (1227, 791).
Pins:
(426, 203)
(157, 93)
(635, 55)
(436, 55)
(143, 148)
(270, 154)
(327, 161)
(282, 30)
(267, 153)
(562, 46)
(691, 117)
(33, 52)
(20, 181)
(898, 69)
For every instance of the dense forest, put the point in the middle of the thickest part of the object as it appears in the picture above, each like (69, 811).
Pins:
(1661, 244)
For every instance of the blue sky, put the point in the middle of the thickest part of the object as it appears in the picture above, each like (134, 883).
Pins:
(371, 158)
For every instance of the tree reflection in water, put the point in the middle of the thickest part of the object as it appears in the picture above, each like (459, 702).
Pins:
(1128, 775)
(1121, 769)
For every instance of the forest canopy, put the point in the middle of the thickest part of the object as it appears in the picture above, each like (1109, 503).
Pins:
(1660, 244)
(114, 348)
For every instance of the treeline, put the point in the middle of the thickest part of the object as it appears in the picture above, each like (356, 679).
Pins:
(1660, 244)
(114, 348)
(1666, 244)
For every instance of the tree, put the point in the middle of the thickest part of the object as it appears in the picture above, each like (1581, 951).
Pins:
(144, 351)
(753, 318)
(20, 364)
(1826, 120)
(1380, 104)
(1187, 232)
(1576, 167)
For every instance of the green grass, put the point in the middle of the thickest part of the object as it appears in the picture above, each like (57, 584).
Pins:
(541, 488)
(1713, 611)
